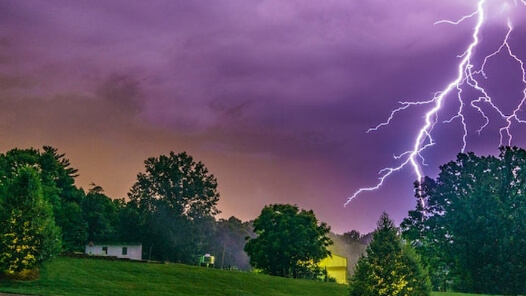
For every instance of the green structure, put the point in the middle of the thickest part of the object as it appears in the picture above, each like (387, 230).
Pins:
(206, 260)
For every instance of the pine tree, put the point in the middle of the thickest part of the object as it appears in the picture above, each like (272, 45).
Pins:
(390, 267)
(28, 234)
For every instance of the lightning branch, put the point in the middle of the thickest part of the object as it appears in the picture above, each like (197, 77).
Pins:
(469, 75)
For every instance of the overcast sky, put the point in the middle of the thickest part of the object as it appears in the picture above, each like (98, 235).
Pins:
(274, 97)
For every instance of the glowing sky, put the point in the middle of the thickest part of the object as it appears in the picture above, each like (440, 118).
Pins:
(273, 96)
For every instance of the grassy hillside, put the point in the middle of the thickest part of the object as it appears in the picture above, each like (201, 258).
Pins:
(68, 276)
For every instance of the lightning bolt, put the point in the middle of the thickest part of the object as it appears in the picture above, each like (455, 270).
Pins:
(468, 76)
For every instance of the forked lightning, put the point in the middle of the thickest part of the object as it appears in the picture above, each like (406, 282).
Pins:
(469, 75)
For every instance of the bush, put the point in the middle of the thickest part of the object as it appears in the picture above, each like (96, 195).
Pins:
(28, 234)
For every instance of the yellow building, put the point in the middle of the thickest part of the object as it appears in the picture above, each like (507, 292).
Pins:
(336, 267)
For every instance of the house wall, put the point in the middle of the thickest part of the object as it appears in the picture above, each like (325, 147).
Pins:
(336, 267)
(338, 273)
(133, 252)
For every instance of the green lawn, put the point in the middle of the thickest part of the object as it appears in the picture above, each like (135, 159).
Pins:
(454, 294)
(68, 276)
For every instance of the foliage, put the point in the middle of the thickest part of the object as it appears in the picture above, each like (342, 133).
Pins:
(101, 214)
(57, 178)
(129, 228)
(28, 235)
(470, 224)
(176, 199)
(390, 267)
(352, 236)
(73, 225)
(289, 242)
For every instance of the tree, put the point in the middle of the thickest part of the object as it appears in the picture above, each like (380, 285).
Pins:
(176, 198)
(58, 179)
(390, 267)
(289, 241)
(470, 223)
(58, 189)
(28, 234)
(131, 223)
(352, 236)
(101, 215)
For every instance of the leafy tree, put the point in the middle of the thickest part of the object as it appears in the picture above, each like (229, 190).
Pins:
(28, 234)
(289, 242)
(130, 227)
(176, 198)
(58, 189)
(352, 236)
(390, 267)
(74, 227)
(101, 215)
(470, 223)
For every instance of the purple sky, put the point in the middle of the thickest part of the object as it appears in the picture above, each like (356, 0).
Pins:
(273, 96)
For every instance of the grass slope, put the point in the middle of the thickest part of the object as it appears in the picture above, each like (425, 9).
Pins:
(68, 276)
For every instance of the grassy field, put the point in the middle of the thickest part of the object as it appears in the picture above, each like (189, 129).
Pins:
(456, 294)
(68, 276)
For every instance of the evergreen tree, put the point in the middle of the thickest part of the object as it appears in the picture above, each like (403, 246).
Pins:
(57, 181)
(390, 267)
(28, 234)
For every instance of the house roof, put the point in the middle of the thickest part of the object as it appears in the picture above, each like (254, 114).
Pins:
(114, 243)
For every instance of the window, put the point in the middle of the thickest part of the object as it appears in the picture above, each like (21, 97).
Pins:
(124, 250)
(105, 250)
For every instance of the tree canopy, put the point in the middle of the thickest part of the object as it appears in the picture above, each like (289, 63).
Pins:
(390, 267)
(171, 210)
(289, 241)
(178, 182)
(176, 198)
(470, 223)
(101, 214)
(57, 179)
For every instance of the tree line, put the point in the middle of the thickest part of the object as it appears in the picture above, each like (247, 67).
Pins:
(467, 232)
(171, 209)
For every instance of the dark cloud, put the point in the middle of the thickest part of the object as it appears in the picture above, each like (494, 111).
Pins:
(122, 91)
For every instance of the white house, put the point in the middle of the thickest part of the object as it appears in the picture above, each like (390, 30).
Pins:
(131, 251)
